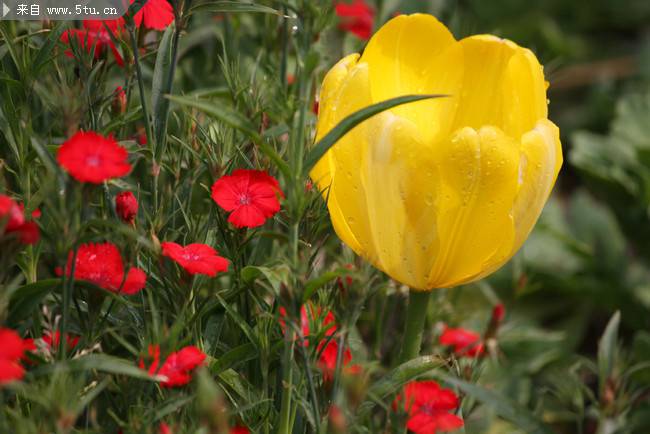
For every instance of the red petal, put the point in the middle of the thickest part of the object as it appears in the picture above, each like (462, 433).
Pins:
(248, 216)
(135, 281)
(10, 371)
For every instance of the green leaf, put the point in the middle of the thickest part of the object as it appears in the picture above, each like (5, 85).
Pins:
(220, 112)
(27, 298)
(275, 276)
(321, 280)
(234, 357)
(44, 53)
(231, 6)
(389, 384)
(352, 121)
(98, 362)
(161, 85)
(501, 405)
(607, 350)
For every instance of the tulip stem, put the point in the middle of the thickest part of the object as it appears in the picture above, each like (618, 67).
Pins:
(415, 317)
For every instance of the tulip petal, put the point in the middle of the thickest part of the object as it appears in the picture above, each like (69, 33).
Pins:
(416, 54)
(503, 85)
(541, 159)
(329, 116)
(479, 178)
(346, 198)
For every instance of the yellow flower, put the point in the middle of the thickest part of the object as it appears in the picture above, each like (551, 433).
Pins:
(444, 191)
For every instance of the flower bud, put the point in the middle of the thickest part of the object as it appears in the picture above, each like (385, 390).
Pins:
(119, 101)
(498, 313)
(126, 206)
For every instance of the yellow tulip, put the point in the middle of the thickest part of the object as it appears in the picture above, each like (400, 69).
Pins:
(440, 192)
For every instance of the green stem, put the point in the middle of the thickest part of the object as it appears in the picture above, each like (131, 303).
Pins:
(284, 425)
(415, 318)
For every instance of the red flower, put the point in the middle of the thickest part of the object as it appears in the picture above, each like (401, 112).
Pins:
(71, 341)
(465, 342)
(328, 357)
(356, 18)
(90, 157)
(95, 37)
(12, 219)
(164, 428)
(196, 258)
(10, 214)
(251, 195)
(102, 265)
(177, 369)
(156, 14)
(126, 207)
(239, 430)
(12, 348)
(428, 407)
(314, 317)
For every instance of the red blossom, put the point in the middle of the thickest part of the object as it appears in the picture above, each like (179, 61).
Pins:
(239, 430)
(196, 258)
(428, 407)
(101, 264)
(90, 157)
(466, 343)
(177, 369)
(126, 207)
(12, 348)
(251, 195)
(356, 17)
(12, 219)
(155, 14)
(71, 341)
(164, 428)
(95, 37)
(329, 356)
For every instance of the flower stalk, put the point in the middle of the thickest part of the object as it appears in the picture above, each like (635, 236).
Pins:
(415, 318)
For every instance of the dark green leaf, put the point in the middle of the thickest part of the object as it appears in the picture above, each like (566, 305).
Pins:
(231, 6)
(607, 349)
(161, 86)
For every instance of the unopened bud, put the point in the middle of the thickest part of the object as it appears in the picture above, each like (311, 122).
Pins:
(126, 207)
(119, 101)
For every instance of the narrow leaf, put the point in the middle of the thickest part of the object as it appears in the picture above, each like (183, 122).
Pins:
(502, 406)
(607, 350)
(161, 86)
(232, 6)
